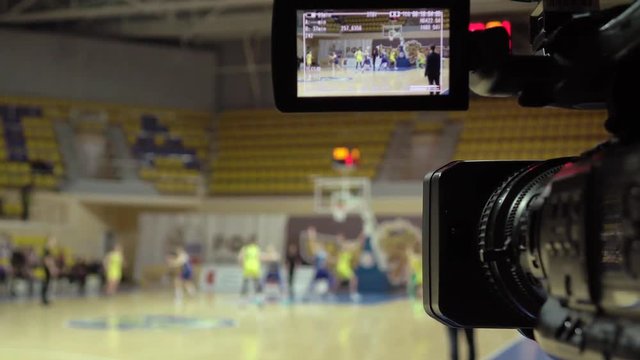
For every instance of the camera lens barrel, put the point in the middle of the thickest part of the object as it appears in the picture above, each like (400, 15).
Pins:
(508, 253)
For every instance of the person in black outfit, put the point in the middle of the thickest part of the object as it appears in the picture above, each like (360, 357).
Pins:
(432, 70)
(374, 56)
(453, 339)
(50, 269)
(20, 270)
(25, 198)
(292, 259)
(78, 274)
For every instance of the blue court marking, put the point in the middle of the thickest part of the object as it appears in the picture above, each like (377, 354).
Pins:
(326, 78)
(403, 69)
(150, 322)
(345, 299)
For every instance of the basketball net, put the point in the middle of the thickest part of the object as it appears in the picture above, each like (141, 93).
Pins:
(392, 35)
(341, 204)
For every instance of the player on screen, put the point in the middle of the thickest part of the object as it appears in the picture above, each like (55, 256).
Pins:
(359, 55)
(334, 59)
(384, 61)
(309, 59)
(421, 61)
(180, 262)
(367, 63)
(393, 56)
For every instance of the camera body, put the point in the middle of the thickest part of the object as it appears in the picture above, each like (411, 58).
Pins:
(452, 206)
(554, 245)
(551, 247)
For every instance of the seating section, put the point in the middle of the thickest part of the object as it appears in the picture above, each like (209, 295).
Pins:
(500, 129)
(376, 24)
(29, 151)
(171, 144)
(368, 24)
(11, 204)
(171, 147)
(264, 152)
(421, 127)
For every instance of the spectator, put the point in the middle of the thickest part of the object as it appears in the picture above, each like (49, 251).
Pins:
(78, 274)
(19, 269)
(432, 71)
(5, 259)
(50, 268)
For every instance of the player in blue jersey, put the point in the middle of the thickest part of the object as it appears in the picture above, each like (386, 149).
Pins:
(180, 262)
(320, 263)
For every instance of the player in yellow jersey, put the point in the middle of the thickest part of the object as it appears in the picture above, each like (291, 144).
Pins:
(359, 55)
(250, 259)
(414, 262)
(348, 250)
(392, 58)
(113, 264)
(421, 61)
(309, 59)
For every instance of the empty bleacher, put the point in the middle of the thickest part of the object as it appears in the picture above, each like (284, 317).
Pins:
(500, 129)
(29, 154)
(171, 147)
(264, 152)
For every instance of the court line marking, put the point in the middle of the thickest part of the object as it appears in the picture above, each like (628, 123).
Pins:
(64, 355)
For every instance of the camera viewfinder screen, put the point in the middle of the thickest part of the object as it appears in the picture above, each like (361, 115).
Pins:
(396, 52)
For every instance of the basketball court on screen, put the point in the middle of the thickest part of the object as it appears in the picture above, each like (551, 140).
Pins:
(349, 82)
(383, 53)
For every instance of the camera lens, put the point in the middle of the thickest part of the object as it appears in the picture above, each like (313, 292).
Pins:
(507, 252)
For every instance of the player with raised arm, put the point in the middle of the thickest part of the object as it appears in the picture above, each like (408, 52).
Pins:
(320, 262)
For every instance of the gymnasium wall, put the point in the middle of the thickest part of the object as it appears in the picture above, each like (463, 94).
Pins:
(69, 67)
(80, 222)
(240, 86)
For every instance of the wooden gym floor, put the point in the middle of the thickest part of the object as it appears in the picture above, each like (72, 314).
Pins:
(150, 325)
(349, 82)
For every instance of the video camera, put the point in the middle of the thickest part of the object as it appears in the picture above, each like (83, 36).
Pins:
(551, 248)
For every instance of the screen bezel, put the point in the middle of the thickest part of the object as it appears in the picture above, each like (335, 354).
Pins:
(284, 55)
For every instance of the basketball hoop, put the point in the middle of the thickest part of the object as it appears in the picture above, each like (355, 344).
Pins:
(341, 196)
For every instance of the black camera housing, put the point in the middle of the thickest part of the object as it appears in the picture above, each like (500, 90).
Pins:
(454, 198)
(284, 60)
